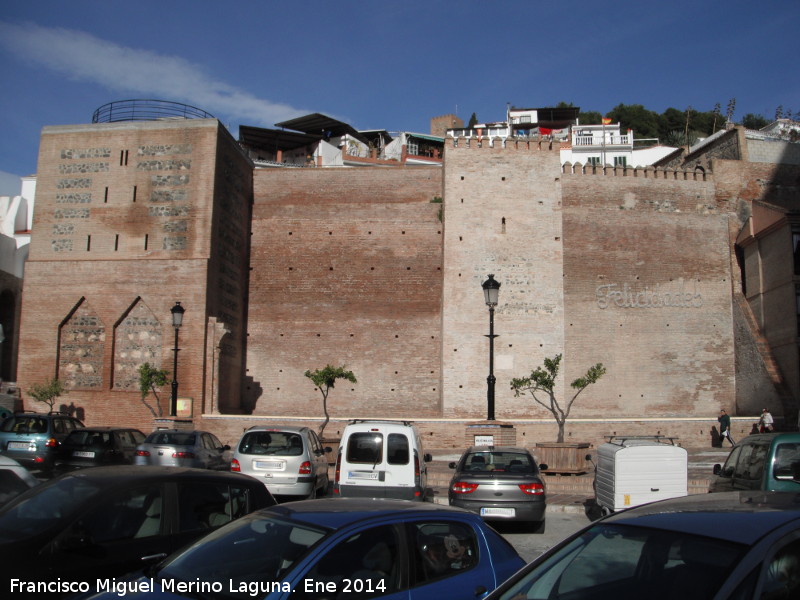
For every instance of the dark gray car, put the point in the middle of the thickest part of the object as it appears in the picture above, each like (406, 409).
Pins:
(97, 446)
(103, 522)
(500, 483)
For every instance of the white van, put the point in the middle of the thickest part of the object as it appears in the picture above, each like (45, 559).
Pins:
(381, 459)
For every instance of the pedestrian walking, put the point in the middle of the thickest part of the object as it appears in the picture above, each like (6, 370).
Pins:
(765, 423)
(725, 426)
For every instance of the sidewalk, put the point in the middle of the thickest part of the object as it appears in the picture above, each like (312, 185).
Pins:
(573, 493)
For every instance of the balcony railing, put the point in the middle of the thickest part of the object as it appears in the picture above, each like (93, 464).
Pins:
(597, 141)
(147, 110)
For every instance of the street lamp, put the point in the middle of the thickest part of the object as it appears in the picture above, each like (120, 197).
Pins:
(491, 292)
(177, 320)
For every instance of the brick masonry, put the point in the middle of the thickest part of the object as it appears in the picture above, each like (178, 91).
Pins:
(284, 270)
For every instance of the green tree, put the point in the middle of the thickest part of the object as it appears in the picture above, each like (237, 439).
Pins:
(590, 117)
(149, 379)
(47, 392)
(473, 120)
(752, 121)
(542, 381)
(325, 379)
(645, 123)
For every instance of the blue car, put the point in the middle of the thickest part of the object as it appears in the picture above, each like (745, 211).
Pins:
(726, 546)
(336, 548)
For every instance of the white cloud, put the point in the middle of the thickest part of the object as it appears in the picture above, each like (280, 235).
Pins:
(84, 57)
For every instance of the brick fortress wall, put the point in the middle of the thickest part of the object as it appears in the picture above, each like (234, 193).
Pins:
(346, 269)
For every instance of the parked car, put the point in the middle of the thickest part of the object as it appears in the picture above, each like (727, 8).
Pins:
(33, 438)
(343, 548)
(107, 521)
(178, 448)
(14, 479)
(381, 459)
(290, 461)
(97, 446)
(764, 461)
(500, 483)
(731, 546)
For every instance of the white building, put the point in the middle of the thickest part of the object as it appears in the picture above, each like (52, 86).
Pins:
(597, 145)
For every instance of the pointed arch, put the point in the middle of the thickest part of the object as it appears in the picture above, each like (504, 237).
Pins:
(81, 346)
(137, 340)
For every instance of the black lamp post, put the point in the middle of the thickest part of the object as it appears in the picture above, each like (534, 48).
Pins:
(491, 292)
(177, 320)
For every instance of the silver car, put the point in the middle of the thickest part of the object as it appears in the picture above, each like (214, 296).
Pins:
(289, 460)
(178, 448)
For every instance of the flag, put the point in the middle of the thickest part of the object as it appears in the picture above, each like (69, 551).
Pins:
(606, 121)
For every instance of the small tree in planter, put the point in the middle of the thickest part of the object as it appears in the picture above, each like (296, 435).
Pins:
(541, 386)
(149, 379)
(48, 392)
(324, 379)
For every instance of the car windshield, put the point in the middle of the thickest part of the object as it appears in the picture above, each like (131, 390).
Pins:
(44, 507)
(276, 443)
(25, 424)
(259, 550)
(619, 561)
(787, 460)
(172, 438)
(88, 438)
(512, 462)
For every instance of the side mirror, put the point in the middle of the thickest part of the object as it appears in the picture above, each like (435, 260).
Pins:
(327, 449)
(225, 447)
(427, 457)
(543, 467)
(717, 469)
(452, 465)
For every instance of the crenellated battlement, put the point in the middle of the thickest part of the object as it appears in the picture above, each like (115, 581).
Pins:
(533, 143)
(648, 172)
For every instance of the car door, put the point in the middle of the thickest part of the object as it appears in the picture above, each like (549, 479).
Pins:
(215, 456)
(749, 471)
(122, 531)
(127, 445)
(723, 481)
(446, 561)
(320, 460)
(364, 563)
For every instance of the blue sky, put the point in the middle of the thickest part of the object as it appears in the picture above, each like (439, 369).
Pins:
(386, 65)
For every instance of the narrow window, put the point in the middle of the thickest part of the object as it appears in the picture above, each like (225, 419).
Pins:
(620, 161)
(145, 241)
(796, 248)
(134, 193)
(116, 242)
(797, 306)
(105, 196)
(88, 243)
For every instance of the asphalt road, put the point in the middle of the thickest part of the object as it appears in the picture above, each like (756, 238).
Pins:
(530, 545)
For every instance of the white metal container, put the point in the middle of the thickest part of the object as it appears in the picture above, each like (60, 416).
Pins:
(634, 471)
